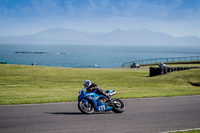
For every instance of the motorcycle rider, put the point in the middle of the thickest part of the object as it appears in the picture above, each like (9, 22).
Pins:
(94, 87)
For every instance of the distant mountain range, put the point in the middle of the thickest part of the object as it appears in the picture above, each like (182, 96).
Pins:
(115, 37)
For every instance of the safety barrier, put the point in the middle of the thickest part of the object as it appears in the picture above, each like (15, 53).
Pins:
(154, 71)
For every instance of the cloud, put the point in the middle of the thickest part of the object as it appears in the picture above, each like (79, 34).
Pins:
(177, 17)
(97, 8)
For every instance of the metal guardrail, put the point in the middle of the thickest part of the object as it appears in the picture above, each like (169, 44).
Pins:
(165, 60)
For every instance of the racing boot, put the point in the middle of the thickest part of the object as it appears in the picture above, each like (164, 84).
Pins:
(109, 101)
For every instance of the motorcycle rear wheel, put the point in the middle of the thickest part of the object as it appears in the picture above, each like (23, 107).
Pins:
(86, 109)
(119, 106)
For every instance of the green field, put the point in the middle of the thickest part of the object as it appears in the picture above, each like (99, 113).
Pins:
(27, 84)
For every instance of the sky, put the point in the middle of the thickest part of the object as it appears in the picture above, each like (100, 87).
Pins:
(174, 17)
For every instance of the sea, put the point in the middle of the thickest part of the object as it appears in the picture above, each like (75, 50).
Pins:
(88, 56)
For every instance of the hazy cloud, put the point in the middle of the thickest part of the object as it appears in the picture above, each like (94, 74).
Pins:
(176, 17)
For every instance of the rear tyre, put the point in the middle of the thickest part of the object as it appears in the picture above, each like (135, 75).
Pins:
(118, 107)
(85, 108)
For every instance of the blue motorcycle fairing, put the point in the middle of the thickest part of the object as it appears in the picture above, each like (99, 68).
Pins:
(81, 95)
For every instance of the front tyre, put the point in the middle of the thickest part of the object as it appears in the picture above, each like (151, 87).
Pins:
(85, 108)
(118, 106)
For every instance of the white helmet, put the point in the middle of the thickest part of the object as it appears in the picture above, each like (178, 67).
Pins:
(87, 83)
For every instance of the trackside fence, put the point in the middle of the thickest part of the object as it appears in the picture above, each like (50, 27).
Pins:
(158, 60)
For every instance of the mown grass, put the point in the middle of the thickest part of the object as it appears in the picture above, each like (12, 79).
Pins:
(27, 84)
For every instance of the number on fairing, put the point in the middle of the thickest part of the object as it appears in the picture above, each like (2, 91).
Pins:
(101, 107)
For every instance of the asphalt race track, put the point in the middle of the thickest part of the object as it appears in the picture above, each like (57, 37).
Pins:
(147, 115)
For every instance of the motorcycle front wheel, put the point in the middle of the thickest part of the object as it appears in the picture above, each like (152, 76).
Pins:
(118, 107)
(85, 108)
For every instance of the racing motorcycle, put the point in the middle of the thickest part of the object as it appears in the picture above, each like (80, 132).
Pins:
(92, 102)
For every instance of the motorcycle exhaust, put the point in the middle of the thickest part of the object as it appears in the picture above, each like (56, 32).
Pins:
(112, 93)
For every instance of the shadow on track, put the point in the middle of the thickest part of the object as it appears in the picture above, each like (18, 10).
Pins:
(66, 113)
(75, 113)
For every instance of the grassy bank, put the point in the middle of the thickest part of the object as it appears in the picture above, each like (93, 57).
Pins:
(26, 84)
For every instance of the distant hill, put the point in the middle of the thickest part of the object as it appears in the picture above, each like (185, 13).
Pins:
(115, 37)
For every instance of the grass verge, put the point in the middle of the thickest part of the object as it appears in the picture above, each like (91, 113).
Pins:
(190, 131)
(26, 84)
